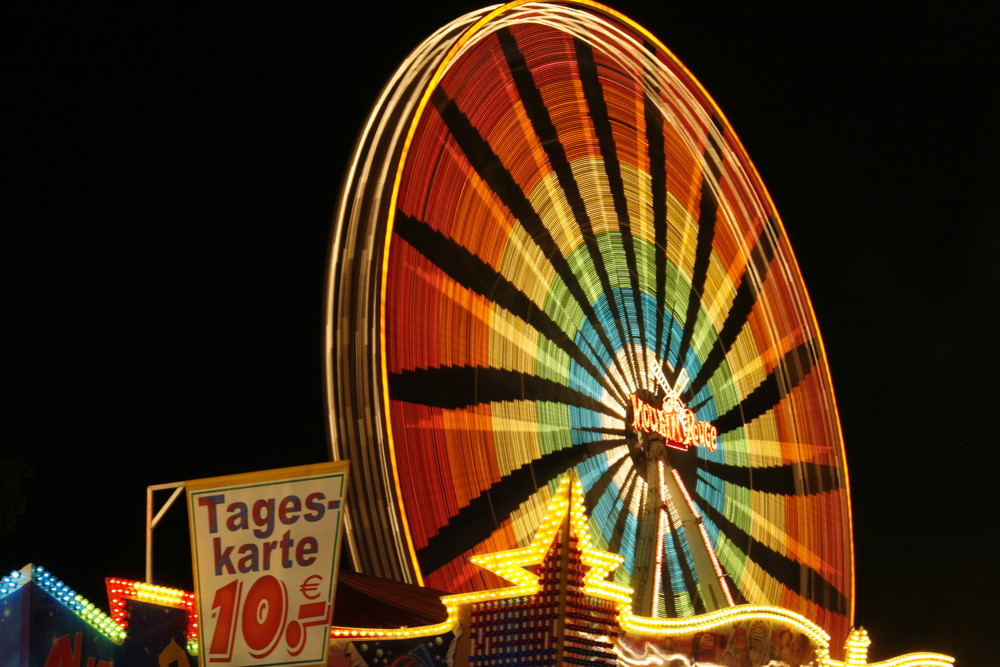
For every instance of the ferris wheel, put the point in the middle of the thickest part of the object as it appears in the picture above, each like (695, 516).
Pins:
(553, 253)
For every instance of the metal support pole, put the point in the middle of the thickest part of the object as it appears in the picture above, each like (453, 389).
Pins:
(713, 591)
(151, 520)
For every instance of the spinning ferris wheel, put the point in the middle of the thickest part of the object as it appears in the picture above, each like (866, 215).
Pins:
(553, 253)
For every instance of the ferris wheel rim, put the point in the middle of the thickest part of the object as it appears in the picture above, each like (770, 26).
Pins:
(455, 50)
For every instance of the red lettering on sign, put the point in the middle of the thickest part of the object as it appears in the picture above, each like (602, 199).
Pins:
(675, 422)
(65, 655)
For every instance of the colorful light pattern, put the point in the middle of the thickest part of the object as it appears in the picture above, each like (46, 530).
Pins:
(546, 214)
(120, 590)
(516, 567)
(80, 606)
(565, 505)
(13, 581)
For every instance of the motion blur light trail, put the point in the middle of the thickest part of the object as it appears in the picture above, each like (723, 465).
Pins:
(545, 215)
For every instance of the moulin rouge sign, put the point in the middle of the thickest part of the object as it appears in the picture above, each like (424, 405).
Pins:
(675, 422)
(265, 549)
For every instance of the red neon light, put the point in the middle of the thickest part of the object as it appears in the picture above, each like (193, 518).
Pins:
(120, 590)
(675, 422)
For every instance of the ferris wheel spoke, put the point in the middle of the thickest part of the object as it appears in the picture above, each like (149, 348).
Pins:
(620, 395)
(707, 213)
(619, 432)
(462, 386)
(467, 527)
(666, 594)
(594, 94)
(468, 270)
(491, 169)
(658, 175)
(790, 479)
(785, 570)
(681, 561)
(743, 304)
(599, 487)
(549, 139)
(791, 369)
(626, 500)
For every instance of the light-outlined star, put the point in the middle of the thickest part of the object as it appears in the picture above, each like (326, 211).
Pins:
(515, 565)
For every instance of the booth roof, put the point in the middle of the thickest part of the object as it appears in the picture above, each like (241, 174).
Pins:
(364, 601)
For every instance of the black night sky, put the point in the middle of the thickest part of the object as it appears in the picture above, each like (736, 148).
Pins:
(171, 175)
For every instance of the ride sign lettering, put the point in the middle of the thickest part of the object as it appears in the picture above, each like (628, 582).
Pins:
(265, 549)
(675, 422)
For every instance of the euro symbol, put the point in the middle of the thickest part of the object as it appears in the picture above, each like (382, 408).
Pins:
(310, 588)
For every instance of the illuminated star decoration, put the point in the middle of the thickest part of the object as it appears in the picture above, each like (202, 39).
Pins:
(515, 565)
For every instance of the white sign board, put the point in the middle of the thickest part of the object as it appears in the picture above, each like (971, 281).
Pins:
(266, 547)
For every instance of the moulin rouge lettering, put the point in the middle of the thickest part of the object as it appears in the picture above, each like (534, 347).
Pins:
(675, 422)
